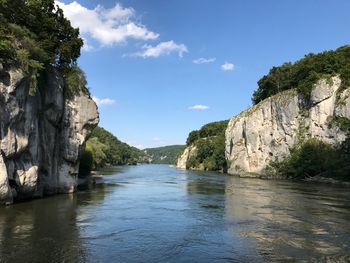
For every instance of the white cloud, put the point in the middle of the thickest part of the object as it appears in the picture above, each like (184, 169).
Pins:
(163, 48)
(199, 107)
(106, 26)
(203, 60)
(227, 66)
(105, 101)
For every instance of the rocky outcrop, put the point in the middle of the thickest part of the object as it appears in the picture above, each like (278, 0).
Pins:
(41, 136)
(187, 153)
(267, 131)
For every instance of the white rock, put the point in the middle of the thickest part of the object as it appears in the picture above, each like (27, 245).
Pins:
(41, 136)
(182, 160)
(266, 131)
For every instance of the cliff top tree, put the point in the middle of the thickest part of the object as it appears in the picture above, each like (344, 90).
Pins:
(304, 73)
(211, 129)
(37, 30)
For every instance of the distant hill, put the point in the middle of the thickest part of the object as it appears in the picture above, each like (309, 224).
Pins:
(165, 154)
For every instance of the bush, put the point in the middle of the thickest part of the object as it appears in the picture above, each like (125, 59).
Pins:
(98, 151)
(315, 158)
(75, 81)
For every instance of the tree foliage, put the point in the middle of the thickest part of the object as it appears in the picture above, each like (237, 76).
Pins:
(75, 81)
(106, 149)
(210, 129)
(39, 27)
(304, 73)
(34, 34)
(316, 158)
(210, 144)
(163, 155)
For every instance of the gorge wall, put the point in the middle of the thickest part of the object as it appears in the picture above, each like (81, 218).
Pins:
(267, 131)
(41, 136)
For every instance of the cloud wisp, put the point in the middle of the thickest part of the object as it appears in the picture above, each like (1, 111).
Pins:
(203, 60)
(199, 107)
(163, 48)
(105, 101)
(106, 26)
(227, 66)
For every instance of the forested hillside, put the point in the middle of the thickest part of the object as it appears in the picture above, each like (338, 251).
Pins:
(103, 148)
(209, 142)
(165, 154)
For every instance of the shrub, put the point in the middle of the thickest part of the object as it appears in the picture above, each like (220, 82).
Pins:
(75, 81)
(315, 158)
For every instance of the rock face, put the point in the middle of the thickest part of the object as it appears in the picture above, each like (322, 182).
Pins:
(182, 160)
(266, 131)
(41, 136)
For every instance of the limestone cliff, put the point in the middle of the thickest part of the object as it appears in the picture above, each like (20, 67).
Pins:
(183, 158)
(41, 136)
(266, 131)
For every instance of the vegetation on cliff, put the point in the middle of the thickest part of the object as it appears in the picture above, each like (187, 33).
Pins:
(211, 129)
(210, 147)
(163, 155)
(304, 73)
(315, 158)
(35, 35)
(312, 157)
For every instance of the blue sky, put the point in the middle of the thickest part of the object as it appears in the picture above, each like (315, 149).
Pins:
(160, 69)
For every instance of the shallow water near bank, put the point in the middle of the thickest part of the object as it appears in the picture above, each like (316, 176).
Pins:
(155, 213)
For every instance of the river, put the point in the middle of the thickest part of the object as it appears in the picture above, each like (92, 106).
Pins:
(155, 213)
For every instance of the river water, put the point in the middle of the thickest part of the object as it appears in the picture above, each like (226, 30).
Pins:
(155, 213)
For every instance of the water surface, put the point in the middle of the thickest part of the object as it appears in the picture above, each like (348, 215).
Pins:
(155, 213)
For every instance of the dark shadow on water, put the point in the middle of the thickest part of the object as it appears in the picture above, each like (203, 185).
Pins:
(45, 230)
(41, 231)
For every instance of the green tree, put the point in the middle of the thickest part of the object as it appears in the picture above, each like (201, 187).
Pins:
(209, 141)
(303, 74)
(315, 158)
(44, 26)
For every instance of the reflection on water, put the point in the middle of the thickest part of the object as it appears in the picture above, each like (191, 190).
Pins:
(40, 231)
(291, 220)
(154, 213)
